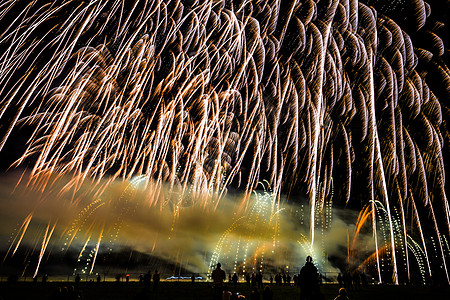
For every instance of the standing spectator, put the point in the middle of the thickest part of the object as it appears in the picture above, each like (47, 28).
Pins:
(148, 278)
(348, 281)
(77, 280)
(218, 276)
(340, 280)
(295, 278)
(247, 279)
(259, 280)
(156, 279)
(253, 280)
(235, 280)
(278, 279)
(309, 280)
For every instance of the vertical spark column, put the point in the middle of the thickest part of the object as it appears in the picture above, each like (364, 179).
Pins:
(376, 151)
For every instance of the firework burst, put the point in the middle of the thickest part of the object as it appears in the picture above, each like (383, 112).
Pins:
(220, 94)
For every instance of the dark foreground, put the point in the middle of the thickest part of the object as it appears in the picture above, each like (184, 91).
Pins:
(202, 290)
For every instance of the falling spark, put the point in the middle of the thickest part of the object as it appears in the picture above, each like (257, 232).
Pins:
(44, 245)
(96, 249)
(22, 229)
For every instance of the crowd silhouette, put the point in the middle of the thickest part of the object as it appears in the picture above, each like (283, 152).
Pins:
(308, 280)
(255, 286)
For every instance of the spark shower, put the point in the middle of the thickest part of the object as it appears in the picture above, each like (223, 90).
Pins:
(345, 103)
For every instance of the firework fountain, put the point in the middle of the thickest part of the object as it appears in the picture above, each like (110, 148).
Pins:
(208, 96)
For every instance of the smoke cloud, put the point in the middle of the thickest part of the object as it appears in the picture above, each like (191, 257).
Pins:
(191, 232)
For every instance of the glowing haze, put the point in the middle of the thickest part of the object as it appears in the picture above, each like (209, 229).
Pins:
(185, 234)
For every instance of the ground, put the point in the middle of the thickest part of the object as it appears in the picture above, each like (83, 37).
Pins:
(202, 290)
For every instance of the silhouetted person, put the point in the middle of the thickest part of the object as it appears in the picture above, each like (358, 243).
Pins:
(156, 279)
(99, 278)
(342, 295)
(267, 294)
(44, 278)
(127, 278)
(259, 280)
(271, 279)
(284, 278)
(340, 280)
(255, 294)
(247, 279)
(309, 280)
(235, 280)
(253, 280)
(193, 278)
(77, 280)
(348, 281)
(356, 280)
(288, 279)
(218, 276)
(148, 278)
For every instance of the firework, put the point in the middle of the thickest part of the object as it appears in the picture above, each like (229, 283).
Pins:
(220, 94)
